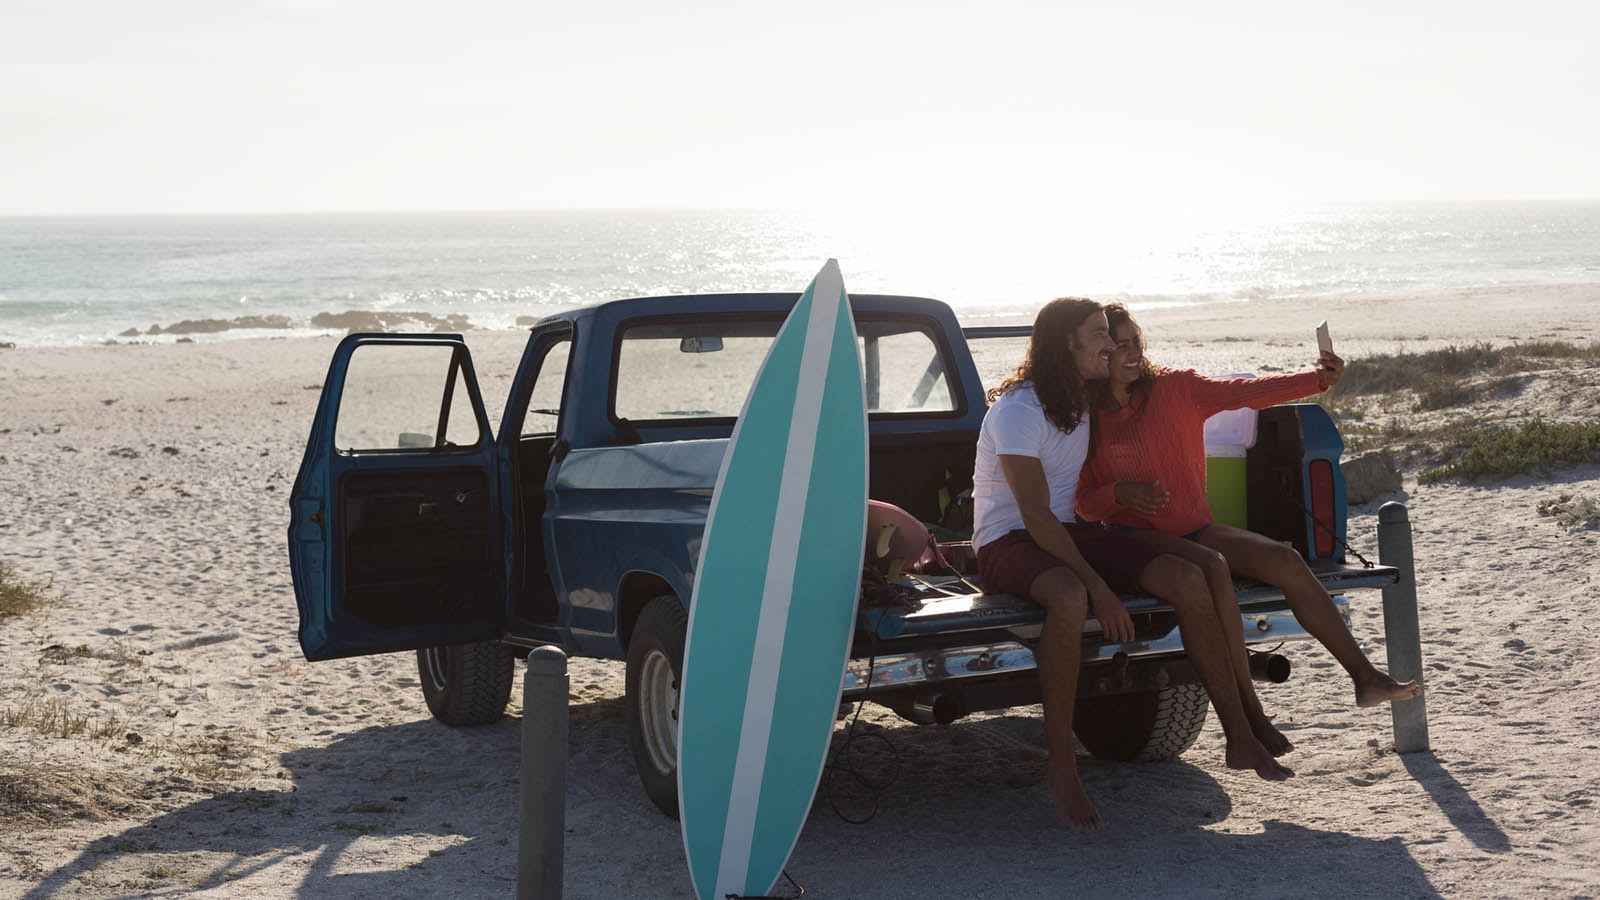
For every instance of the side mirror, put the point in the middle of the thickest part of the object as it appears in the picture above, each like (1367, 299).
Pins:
(708, 344)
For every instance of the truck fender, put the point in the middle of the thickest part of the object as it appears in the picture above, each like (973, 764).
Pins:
(647, 576)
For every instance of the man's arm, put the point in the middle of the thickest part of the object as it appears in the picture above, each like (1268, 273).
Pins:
(1025, 477)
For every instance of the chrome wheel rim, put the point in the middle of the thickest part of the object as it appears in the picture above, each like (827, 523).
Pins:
(433, 658)
(658, 711)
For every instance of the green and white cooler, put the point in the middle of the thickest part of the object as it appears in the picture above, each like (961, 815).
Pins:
(1229, 435)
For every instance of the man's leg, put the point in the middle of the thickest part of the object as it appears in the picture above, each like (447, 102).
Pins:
(1181, 584)
(1065, 602)
(1264, 559)
(1219, 580)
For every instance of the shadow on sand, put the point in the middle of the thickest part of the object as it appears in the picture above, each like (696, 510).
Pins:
(1457, 805)
(965, 815)
(455, 789)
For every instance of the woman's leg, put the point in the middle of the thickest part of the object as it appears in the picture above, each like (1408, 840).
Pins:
(1182, 584)
(1225, 603)
(1264, 559)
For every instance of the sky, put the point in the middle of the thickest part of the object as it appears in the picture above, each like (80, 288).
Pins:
(315, 105)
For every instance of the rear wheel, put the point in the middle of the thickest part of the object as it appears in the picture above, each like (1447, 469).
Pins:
(655, 665)
(467, 684)
(1146, 726)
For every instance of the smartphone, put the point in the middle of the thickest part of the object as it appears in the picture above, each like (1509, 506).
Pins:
(1324, 342)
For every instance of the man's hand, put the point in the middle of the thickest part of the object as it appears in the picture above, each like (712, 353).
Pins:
(1147, 498)
(1330, 368)
(1113, 616)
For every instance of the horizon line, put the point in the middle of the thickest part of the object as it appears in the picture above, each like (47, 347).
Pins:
(390, 211)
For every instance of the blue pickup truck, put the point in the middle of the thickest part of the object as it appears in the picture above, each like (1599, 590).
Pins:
(415, 526)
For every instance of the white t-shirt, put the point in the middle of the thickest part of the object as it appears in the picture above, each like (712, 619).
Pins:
(1017, 426)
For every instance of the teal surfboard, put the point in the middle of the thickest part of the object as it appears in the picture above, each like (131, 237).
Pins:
(774, 602)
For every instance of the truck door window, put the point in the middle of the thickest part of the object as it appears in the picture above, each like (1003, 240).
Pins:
(405, 397)
(544, 406)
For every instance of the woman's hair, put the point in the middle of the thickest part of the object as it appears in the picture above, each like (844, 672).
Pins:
(1117, 316)
(1050, 366)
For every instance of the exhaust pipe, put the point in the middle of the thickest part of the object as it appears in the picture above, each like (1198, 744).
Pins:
(932, 707)
(1269, 667)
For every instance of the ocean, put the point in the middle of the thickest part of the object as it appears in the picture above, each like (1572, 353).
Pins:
(89, 280)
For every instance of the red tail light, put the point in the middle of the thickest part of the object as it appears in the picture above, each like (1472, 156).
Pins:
(1322, 507)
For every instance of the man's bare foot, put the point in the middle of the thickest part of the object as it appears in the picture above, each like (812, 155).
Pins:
(1070, 799)
(1248, 753)
(1380, 688)
(1269, 735)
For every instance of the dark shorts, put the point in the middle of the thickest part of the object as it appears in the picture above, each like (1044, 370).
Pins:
(1009, 564)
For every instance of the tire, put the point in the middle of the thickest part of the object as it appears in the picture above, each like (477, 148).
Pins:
(655, 665)
(467, 684)
(1142, 727)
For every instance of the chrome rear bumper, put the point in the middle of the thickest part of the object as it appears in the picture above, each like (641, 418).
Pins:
(942, 667)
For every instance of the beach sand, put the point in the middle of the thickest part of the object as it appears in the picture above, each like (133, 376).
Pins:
(165, 736)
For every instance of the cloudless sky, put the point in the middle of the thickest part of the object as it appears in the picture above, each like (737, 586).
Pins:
(291, 105)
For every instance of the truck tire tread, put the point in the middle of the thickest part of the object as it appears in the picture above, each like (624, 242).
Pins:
(477, 683)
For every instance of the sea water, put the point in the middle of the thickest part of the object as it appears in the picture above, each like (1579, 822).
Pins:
(86, 280)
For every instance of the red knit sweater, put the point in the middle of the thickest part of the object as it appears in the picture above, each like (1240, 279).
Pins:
(1163, 440)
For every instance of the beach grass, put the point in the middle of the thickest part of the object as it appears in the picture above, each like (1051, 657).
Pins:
(1435, 370)
(52, 718)
(1533, 447)
(1392, 401)
(1442, 392)
(48, 794)
(18, 595)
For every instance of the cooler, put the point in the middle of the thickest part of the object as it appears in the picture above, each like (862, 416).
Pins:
(1229, 435)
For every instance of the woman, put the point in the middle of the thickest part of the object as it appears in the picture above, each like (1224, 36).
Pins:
(1147, 471)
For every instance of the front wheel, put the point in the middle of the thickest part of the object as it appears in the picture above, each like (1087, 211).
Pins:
(655, 666)
(467, 684)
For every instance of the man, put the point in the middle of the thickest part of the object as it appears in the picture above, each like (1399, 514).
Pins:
(1031, 448)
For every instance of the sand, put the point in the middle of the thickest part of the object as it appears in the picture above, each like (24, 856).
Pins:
(150, 484)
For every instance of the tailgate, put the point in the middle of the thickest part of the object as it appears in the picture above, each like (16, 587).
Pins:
(951, 607)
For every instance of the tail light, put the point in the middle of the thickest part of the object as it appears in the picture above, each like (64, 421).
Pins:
(1322, 507)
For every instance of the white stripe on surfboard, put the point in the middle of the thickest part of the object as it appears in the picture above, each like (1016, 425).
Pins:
(749, 768)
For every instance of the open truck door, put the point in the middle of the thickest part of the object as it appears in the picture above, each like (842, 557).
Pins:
(395, 536)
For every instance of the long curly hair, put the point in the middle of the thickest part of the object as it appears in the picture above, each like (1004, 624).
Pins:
(1049, 365)
(1117, 316)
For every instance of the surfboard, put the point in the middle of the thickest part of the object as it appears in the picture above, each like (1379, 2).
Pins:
(774, 602)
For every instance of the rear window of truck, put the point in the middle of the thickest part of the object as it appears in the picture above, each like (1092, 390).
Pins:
(703, 370)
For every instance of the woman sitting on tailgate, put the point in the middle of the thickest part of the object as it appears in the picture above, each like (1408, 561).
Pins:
(1146, 471)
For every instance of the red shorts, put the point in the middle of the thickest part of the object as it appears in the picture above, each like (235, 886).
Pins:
(1008, 565)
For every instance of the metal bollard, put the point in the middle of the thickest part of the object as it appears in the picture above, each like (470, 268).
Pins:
(542, 832)
(1400, 626)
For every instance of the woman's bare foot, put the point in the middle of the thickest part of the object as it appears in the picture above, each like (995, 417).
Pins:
(1269, 735)
(1248, 753)
(1379, 688)
(1069, 796)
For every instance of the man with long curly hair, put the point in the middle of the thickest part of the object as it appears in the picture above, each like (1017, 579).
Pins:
(1031, 449)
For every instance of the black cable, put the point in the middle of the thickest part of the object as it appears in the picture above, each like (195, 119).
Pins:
(842, 760)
